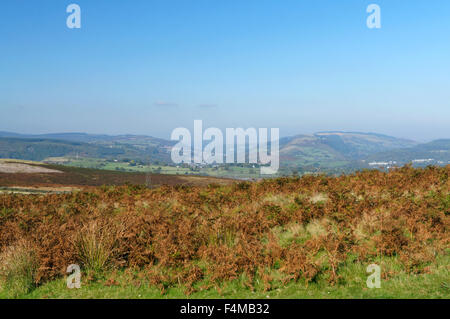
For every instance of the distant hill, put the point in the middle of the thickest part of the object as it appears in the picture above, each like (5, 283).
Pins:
(435, 152)
(72, 137)
(95, 138)
(38, 149)
(356, 145)
(334, 149)
(308, 150)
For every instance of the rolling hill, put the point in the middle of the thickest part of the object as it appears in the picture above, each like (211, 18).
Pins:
(335, 149)
(356, 145)
(143, 149)
(94, 138)
(332, 151)
(435, 152)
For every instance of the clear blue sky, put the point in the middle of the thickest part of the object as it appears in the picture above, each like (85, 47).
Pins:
(146, 67)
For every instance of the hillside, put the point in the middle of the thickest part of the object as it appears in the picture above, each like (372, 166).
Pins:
(356, 145)
(94, 138)
(38, 149)
(435, 152)
(304, 150)
(335, 149)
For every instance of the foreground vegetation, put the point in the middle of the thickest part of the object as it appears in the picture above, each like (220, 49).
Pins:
(133, 284)
(309, 237)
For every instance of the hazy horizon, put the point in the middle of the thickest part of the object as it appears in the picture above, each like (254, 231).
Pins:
(168, 137)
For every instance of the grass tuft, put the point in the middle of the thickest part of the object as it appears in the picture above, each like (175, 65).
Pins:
(18, 268)
(95, 246)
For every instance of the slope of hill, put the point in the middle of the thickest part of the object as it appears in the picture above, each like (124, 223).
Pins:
(38, 149)
(304, 150)
(335, 149)
(356, 145)
(435, 152)
(72, 137)
(92, 138)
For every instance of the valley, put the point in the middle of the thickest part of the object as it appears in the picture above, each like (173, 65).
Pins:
(322, 152)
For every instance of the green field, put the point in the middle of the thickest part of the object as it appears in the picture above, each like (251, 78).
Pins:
(228, 171)
(220, 171)
(132, 284)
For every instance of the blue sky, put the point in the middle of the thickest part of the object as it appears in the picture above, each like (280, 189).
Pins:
(147, 67)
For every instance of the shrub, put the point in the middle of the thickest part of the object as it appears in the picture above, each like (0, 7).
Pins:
(18, 267)
(96, 245)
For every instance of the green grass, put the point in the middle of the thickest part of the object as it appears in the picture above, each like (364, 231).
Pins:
(435, 284)
(230, 171)
(18, 267)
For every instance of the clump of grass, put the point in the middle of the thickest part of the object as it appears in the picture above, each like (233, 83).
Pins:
(319, 198)
(18, 268)
(279, 199)
(290, 233)
(96, 245)
(317, 227)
